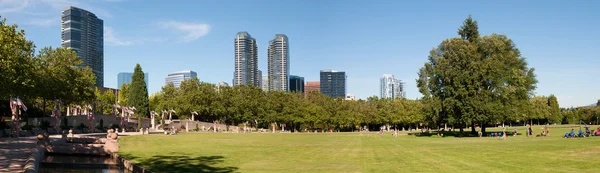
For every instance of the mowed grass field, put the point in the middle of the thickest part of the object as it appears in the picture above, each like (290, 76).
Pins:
(356, 152)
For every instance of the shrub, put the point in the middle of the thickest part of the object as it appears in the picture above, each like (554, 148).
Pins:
(81, 126)
(44, 125)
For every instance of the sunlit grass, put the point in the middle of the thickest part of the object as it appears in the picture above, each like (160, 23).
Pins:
(356, 152)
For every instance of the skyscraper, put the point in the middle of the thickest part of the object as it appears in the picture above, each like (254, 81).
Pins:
(125, 77)
(83, 32)
(279, 63)
(246, 60)
(390, 87)
(296, 84)
(265, 83)
(177, 77)
(260, 79)
(333, 83)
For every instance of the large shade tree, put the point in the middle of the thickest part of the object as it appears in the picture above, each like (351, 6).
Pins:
(475, 80)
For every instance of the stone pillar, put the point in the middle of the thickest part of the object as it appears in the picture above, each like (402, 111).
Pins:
(153, 121)
(187, 126)
(68, 111)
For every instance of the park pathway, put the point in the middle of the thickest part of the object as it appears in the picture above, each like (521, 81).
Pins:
(14, 153)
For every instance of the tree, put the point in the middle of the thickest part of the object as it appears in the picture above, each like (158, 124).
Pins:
(124, 94)
(475, 79)
(138, 93)
(16, 63)
(554, 111)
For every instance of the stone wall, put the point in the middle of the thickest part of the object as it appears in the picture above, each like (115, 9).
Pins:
(75, 121)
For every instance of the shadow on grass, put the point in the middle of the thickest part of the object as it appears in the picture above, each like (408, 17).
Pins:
(182, 163)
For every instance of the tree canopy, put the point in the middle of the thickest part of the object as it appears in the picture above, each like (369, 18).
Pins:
(475, 80)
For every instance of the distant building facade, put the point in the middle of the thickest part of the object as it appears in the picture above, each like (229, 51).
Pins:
(296, 84)
(279, 63)
(390, 87)
(223, 84)
(350, 97)
(83, 32)
(333, 83)
(177, 77)
(246, 60)
(314, 86)
(265, 83)
(125, 78)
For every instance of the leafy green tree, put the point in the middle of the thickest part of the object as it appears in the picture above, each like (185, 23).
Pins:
(16, 63)
(475, 79)
(554, 109)
(138, 93)
(124, 94)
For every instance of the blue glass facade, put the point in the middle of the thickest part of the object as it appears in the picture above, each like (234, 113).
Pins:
(125, 77)
(83, 32)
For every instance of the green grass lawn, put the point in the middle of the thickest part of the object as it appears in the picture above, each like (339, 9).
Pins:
(356, 152)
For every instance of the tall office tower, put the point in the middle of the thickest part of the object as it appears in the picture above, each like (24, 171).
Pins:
(125, 77)
(296, 84)
(177, 77)
(390, 87)
(260, 79)
(333, 83)
(279, 63)
(265, 83)
(82, 31)
(246, 60)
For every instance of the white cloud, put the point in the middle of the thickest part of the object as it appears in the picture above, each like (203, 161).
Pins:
(191, 31)
(111, 38)
(44, 22)
(10, 6)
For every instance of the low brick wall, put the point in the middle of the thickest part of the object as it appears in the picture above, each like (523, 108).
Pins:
(129, 165)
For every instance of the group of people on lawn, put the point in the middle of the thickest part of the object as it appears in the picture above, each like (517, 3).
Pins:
(580, 133)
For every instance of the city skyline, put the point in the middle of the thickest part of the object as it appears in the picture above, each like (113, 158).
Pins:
(346, 37)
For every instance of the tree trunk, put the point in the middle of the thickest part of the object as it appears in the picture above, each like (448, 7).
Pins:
(473, 128)
(44, 107)
(482, 128)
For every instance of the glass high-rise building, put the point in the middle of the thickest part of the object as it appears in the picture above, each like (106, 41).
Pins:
(279, 63)
(246, 60)
(177, 77)
(125, 77)
(333, 83)
(390, 87)
(82, 31)
(296, 84)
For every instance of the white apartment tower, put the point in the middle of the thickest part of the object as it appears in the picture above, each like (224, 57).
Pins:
(279, 63)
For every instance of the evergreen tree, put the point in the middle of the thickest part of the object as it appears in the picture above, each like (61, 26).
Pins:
(138, 93)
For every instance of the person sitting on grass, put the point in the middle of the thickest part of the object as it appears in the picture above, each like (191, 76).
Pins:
(566, 135)
(500, 134)
(597, 132)
(580, 133)
(515, 132)
(479, 133)
(587, 131)
(572, 133)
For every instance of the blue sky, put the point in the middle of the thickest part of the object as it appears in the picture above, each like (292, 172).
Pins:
(364, 38)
